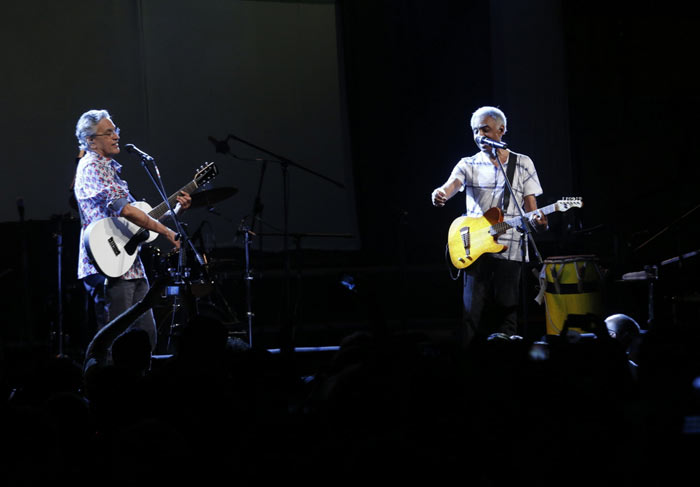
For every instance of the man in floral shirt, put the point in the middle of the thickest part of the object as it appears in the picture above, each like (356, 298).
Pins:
(101, 193)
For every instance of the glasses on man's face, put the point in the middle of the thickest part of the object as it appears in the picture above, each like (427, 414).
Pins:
(109, 133)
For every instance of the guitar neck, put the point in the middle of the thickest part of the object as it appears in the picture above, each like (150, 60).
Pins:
(162, 208)
(513, 222)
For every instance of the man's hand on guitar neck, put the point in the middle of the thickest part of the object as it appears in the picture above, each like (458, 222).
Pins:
(184, 199)
(538, 218)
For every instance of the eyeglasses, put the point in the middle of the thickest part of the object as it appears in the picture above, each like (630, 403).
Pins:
(109, 133)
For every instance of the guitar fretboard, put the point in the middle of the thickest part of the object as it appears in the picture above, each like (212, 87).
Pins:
(501, 227)
(162, 208)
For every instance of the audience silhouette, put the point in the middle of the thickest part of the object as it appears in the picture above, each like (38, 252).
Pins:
(386, 406)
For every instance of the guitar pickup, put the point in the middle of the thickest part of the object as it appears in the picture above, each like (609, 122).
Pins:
(113, 245)
(464, 233)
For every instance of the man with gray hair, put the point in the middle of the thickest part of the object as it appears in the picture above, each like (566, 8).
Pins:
(492, 282)
(101, 193)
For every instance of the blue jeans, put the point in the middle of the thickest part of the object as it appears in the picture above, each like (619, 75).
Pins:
(113, 296)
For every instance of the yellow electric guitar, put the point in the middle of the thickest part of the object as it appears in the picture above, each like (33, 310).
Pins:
(471, 237)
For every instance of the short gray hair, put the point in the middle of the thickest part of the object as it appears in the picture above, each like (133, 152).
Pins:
(86, 126)
(487, 111)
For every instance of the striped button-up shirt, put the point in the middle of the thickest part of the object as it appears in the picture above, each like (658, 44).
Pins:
(484, 185)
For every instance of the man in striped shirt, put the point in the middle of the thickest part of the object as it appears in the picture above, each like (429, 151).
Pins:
(492, 282)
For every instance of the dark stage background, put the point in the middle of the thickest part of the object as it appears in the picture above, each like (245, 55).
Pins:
(376, 96)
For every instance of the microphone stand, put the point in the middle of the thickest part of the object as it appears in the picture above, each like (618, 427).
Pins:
(287, 332)
(248, 277)
(59, 248)
(525, 236)
(181, 273)
(257, 205)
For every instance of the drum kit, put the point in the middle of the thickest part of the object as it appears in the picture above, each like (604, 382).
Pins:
(188, 292)
(191, 286)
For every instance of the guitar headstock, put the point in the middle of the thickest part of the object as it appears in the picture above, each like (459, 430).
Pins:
(569, 202)
(205, 173)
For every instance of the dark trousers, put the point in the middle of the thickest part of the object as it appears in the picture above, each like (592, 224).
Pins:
(491, 297)
(111, 297)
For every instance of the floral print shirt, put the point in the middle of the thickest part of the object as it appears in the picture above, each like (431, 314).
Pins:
(100, 193)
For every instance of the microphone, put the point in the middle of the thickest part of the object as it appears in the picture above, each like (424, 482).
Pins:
(220, 146)
(135, 150)
(481, 140)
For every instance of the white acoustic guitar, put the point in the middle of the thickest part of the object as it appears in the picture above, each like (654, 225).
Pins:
(113, 243)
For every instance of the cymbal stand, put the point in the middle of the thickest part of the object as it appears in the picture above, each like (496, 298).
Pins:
(58, 334)
(284, 164)
(179, 283)
(248, 278)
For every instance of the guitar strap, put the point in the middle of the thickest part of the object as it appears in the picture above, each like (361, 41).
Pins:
(512, 160)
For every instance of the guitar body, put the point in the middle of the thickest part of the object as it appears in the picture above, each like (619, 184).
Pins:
(469, 238)
(112, 245)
